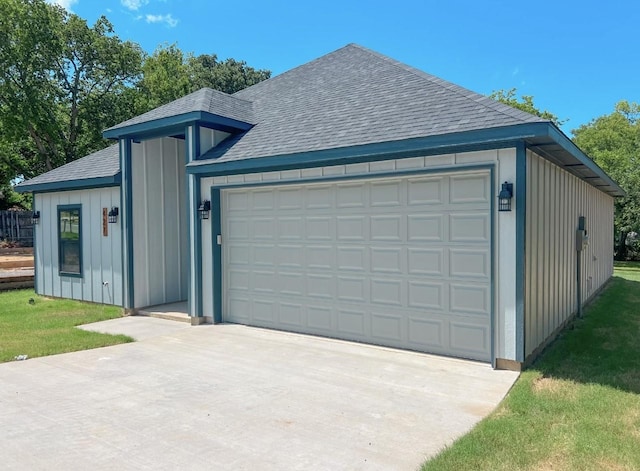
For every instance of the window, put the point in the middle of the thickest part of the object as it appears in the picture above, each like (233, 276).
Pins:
(70, 240)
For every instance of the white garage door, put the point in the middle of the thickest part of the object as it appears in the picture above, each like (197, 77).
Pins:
(402, 262)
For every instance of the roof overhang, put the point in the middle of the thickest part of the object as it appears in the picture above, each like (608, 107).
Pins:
(175, 124)
(87, 183)
(544, 138)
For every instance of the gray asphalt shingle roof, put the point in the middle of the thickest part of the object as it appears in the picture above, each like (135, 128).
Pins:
(355, 96)
(100, 164)
(205, 99)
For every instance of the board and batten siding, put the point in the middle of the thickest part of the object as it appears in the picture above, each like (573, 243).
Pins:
(101, 280)
(209, 138)
(160, 251)
(555, 201)
(504, 267)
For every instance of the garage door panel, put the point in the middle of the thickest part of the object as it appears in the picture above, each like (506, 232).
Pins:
(426, 228)
(320, 257)
(470, 228)
(319, 228)
(426, 191)
(387, 260)
(353, 289)
(264, 229)
(264, 312)
(427, 333)
(351, 195)
(319, 197)
(386, 291)
(468, 337)
(291, 283)
(385, 194)
(351, 228)
(264, 255)
(469, 299)
(422, 261)
(292, 315)
(403, 262)
(352, 322)
(319, 319)
(468, 189)
(291, 256)
(470, 263)
(386, 228)
(263, 282)
(352, 258)
(320, 286)
(427, 295)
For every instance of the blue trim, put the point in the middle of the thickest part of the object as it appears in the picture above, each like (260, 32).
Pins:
(569, 146)
(494, 252)
(216, 250)
(35, 249)
(194, 228)
(492, 138)
(521, 215)
(98, 182)
(60, 209)
(140, 130)
(126, 201)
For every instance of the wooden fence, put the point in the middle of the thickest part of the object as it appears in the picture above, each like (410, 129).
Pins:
(17, 226)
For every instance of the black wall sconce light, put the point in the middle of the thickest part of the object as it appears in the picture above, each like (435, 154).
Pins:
(113, 215)
(35, 217)
(203, 209)
(504, 197)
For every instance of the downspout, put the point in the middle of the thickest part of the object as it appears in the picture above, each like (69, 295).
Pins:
(581, 242)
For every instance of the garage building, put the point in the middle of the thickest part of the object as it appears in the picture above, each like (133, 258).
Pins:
(352, 197)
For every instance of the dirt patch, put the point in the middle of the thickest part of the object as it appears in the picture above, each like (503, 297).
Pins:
(555, 387)
(608, 465)
(556, 462)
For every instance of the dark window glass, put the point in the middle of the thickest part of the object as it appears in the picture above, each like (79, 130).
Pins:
(70, 239)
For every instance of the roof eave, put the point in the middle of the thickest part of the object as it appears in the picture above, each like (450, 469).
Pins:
(158, 126)
(67, 185)
(499, 137)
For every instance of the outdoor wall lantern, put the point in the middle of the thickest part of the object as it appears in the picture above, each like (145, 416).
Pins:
(35, 217)
(203, 209)
(504, 198)
(113, 215)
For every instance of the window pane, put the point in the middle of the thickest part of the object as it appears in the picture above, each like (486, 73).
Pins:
(70, 244)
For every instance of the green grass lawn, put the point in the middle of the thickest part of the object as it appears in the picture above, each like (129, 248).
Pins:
(578, 406)
(47, 326)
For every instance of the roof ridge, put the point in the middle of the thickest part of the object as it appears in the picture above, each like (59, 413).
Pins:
(462, 91)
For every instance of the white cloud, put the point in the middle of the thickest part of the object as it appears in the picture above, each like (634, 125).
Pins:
(66, 4)
(134, 5)
(167, 19)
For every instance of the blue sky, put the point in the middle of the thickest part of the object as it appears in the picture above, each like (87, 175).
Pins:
(576, 57)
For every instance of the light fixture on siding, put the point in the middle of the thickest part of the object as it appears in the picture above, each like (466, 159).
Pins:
(35, 217)
(504, 197)
(203, 209)
(113, 215)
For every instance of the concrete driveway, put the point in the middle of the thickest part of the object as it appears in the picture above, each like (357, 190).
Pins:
(230, 397)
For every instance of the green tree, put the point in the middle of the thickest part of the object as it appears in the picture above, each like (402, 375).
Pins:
(613, 142)
(169, 74)
(524, 103)
(59, 83)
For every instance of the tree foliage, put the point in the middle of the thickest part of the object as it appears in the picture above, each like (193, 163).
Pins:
(613, 142)
(169, 74)
(62, 82)
(524, 103)
(58, 79)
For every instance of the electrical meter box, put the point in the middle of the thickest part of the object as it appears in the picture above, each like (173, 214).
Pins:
(582, 237)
